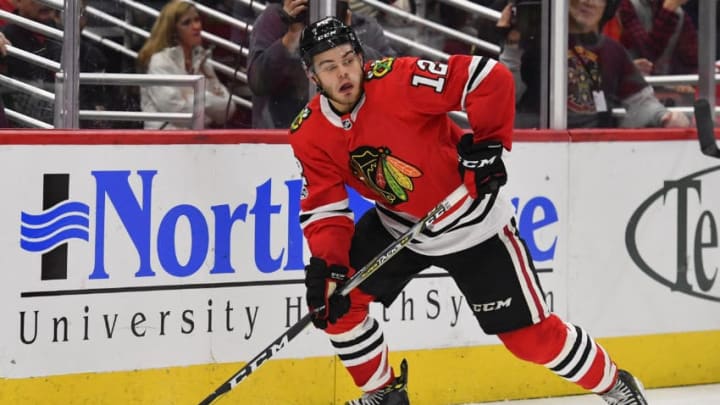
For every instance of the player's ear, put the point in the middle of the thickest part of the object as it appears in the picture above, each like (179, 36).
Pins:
(312, 76)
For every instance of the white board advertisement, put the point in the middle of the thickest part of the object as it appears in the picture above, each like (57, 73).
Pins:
(121, 257)
(643, 238)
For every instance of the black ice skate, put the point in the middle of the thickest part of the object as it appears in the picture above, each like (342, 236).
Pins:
(627, 391)
(393, 394)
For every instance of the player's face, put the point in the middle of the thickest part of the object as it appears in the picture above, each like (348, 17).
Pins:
(339, 72)
(585, 15)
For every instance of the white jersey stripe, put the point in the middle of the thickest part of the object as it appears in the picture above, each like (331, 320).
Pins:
(531, 291)
(460, 237)
(608, 378)
(320, 216)
(476, 77)
(355, 332)
(380, 377)
(570, 339)
(588, 361)
(577, 356)
(366, 357)
(377, 335)
(336, 209)
(336, 206)
(352, 344)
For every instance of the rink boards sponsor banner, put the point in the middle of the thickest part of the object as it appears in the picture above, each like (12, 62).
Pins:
(643, 237)
(127, 257)
(124, 257)
(147, 271)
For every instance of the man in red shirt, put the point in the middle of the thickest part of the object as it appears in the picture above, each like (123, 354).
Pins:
(382, 128)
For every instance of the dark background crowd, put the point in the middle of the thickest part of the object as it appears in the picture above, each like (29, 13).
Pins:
(613, 46)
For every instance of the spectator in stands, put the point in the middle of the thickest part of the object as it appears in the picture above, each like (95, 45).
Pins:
(175, 48)
(601, 76)
(29, 73)
(275, 73)
(661, 32)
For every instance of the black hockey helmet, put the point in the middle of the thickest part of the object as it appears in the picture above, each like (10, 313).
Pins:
(325, 34)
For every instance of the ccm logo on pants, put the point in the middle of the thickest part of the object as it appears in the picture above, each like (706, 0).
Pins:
(492, 306)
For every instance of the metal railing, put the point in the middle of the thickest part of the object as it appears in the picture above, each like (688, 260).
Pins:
(219, 67)
(196, 118)
(621, 112)
(426, 50)
(197, 82)
(556, 15)
(222, 17)
(27, 88)
(31, 122)
(90, 34)
(673, 80)
(32, 25)
(395, 38)
(30, 57)
(485, 45)
(476, 9)
(212, 38)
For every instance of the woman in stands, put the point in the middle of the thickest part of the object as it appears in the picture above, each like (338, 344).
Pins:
(175, 48)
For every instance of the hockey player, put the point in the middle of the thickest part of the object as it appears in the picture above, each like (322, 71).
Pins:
(382, 128)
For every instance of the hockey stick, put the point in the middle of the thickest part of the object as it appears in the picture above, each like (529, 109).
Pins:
(706, 128)
(361, 275)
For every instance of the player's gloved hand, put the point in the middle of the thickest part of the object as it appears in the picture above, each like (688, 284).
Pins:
(481, 166)
(321, 281)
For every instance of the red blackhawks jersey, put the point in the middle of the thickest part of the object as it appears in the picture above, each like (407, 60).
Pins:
(397, 147)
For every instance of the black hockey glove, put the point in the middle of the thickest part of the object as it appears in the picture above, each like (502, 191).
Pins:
(321, 281)
(481, 166)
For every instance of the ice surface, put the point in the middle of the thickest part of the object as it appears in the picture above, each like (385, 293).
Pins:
(691, 395)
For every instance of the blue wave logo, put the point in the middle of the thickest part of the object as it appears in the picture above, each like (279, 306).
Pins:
(45, 231)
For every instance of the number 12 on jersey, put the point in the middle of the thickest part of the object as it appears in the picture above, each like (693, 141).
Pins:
(436, 69)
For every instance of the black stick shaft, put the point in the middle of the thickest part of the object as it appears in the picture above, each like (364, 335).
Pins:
(360, 276)
(705, 124)
(274, 347)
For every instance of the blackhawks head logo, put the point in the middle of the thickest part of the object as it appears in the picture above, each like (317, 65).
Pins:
(387, 175)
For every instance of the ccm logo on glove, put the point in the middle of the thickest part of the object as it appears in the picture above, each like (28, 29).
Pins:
(480, 165)
(475, 164)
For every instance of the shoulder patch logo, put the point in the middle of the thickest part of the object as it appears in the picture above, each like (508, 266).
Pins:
(302, 116)
(380, 68)
(385, 174)
(304, 191)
